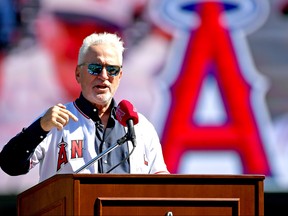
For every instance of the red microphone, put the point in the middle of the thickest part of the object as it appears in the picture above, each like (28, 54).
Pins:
(127, 115)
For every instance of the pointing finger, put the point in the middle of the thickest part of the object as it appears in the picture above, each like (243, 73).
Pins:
(71, 115)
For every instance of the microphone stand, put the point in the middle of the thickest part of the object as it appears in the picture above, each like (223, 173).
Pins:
(99, 156)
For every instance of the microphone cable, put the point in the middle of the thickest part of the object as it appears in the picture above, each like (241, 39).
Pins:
(121, 161)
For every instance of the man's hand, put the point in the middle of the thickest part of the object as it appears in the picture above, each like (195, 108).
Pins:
(57, 116)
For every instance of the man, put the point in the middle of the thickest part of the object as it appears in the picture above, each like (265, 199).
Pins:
(68, 136)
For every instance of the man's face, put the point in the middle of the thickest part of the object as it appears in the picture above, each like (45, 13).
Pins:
(99, 89)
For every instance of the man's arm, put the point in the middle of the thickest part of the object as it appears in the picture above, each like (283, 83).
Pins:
(16, 154)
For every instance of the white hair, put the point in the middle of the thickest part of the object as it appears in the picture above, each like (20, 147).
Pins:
(101, 38)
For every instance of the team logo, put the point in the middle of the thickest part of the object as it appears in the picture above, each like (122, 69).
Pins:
(215, 97)
(120, 114)
(76, 152)
(62, 154)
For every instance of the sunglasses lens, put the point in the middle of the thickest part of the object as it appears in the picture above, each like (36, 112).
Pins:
(95, 69)
(113, 70)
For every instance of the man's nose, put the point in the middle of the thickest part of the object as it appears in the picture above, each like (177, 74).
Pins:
(104, 73)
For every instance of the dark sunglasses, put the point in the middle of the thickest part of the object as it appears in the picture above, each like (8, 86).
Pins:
(96, 69)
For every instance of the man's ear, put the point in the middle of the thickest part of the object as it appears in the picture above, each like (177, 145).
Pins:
(77, 73)
(120, 74)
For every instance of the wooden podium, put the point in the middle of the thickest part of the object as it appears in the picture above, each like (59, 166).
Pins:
(173, 195)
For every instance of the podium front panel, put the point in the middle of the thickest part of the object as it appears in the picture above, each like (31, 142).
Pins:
(101, 194)
(108, 206)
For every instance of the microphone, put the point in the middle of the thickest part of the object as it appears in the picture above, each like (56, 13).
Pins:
(127, 115)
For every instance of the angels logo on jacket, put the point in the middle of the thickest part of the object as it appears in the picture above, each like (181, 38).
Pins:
(76, 152)
(62, 154)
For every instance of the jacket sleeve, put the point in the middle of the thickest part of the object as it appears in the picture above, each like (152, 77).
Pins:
(16, 154)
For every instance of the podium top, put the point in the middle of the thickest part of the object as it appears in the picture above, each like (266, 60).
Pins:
(154, 179)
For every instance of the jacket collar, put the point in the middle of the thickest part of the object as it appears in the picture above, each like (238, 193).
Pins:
(91, 111)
